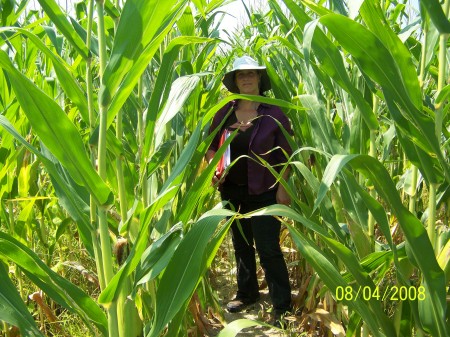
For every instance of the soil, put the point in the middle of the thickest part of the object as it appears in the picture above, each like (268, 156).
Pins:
(224, 283)
(258, 312)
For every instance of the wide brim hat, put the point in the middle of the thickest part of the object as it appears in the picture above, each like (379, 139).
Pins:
(246, 63)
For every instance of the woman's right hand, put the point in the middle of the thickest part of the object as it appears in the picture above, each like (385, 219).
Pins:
(218, 179)
(215, 180)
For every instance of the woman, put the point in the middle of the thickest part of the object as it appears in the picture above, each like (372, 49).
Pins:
(248, 185)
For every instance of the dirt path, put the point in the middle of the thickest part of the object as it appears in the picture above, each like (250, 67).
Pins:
(260, 311)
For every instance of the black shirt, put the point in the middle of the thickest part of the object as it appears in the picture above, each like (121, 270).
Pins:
(238, 173)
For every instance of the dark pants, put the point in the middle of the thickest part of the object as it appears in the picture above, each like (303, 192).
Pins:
(264, 231)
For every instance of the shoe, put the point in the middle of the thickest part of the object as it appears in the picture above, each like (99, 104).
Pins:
(238, 304)
(278, 320)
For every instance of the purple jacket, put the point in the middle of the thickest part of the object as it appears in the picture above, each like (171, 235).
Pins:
(266, 136)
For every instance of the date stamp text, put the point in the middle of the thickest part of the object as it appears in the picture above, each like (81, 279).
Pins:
(392, 293)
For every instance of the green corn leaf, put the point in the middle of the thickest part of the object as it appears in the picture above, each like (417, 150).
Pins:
(56, 41)
(201, 5)
(70, 194)
(142, 24)
(112, 291)
(112, 11)
(333, 279)
(325, 137)
(444, 260)
(161, 87)
(55, 286)
(427, 164)
(13, 310)
(186, 24)
(371, 263)
(55, 14)
(233, 328)
(190, 201)
(331, 62)
(437, 15)
(131, 78)
(180, 91)
(157, 256)
(377, 62)
(160, 157)
(184, 270)
(56, 131)
(433, 313)
(68, 83)
(373, 16)
(83, 34)
(443, 94)
(431, 44)
(279, 87)
(178, 170)
(209, 255)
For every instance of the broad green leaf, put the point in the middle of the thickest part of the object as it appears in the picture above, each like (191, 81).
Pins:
(180, 91)
(433, 313)
(157, 256)
(68, 83)
(333, 279)
(332, 170)
(444, 260)
(55, 286)
(112, 291)
(330, 60)
(56, 131)
(162, 85)
(55, 14)
(179, 169)
(371, 263)
(132, 77)
(373, 16)
(184, 270)
(12, 309)
(377, 62)
(186, 23)
(83, 34)
(437, 15)
(201, 5)
(192, 197)
(160, 157)
(209, 255)
(142, 23)
(431, 44)
(324, 135)
(55, 40)
(69, 194)
(233, 328)
(112, 11)
(443, 94)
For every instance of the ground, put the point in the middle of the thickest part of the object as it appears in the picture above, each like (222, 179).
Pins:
(223, 281)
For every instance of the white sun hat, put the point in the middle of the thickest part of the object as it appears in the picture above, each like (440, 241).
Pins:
(246, 63)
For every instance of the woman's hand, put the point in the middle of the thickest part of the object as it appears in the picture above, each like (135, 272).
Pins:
(215, 180)
(218, 179)
(282, 196)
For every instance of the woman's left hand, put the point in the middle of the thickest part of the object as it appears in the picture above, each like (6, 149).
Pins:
(282, 196)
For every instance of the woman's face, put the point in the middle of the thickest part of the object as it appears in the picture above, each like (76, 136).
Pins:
(247, 81)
